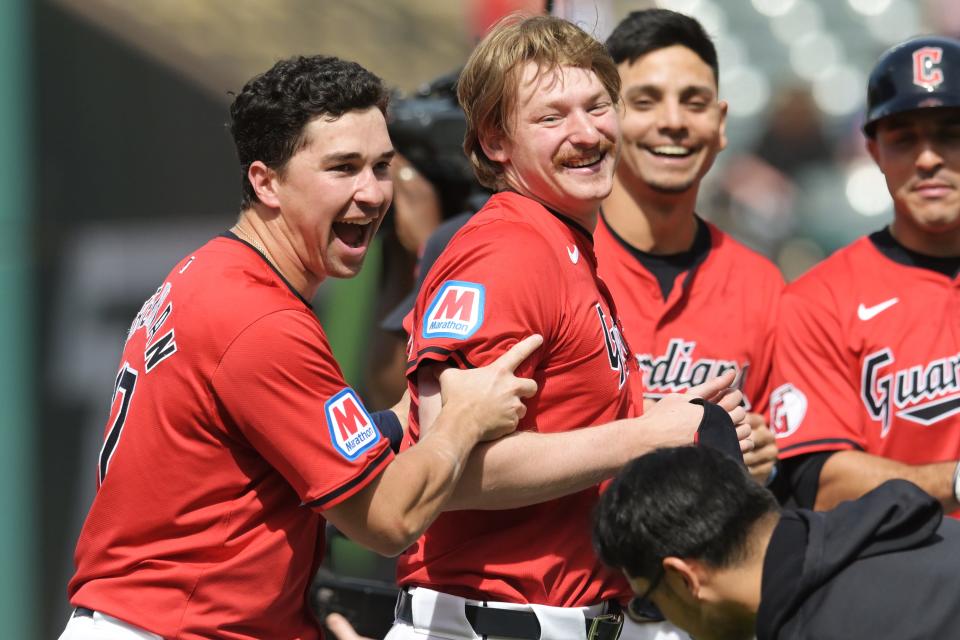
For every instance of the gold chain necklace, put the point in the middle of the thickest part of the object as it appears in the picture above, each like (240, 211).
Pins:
(241, 233)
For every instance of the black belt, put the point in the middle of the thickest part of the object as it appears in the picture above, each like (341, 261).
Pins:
(82, 612)
(510, 623)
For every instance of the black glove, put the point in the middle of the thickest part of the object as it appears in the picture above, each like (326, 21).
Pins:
(717, 431)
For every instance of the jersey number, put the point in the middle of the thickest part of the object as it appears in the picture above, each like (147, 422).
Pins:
(126, 381)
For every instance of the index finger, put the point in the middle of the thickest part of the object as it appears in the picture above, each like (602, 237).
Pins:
(756, 420)
(520, 352)
(762, 436)
(712, 387)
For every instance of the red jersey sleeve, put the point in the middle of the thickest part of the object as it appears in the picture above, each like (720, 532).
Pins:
(814, 405)
(280, 385)
(484, 295)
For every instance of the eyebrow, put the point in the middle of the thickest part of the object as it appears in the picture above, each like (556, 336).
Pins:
(693, 89)
(556, 104)
(351, 156)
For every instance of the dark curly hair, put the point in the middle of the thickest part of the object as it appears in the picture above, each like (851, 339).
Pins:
(269, 115)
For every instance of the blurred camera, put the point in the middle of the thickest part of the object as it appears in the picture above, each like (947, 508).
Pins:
(427, 128)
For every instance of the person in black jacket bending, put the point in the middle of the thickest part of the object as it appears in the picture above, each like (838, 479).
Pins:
(716, 554)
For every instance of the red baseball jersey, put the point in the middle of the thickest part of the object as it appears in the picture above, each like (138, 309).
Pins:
(868, 358)
(720, 315)
(231, 427)
(516, 269)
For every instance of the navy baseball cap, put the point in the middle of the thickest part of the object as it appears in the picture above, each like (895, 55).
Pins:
(921, 73)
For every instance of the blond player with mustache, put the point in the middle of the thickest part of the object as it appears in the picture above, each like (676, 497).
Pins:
(511, 557)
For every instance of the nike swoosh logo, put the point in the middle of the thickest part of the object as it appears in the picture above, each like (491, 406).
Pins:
(868, 313)
(574, 254)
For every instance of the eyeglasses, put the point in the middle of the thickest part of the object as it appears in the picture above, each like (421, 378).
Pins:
(653, 584)
(641, 609)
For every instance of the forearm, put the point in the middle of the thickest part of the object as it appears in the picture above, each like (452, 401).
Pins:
(847, 475)
(423, 477)
(483, 404)
(527, 468)
(395, 509)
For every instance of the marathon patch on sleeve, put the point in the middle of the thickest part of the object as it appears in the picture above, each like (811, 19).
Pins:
(456, 311)
(352, 430)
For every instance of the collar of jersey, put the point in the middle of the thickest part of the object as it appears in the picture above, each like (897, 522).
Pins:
(231, 236)
(573, 224)
(578, 228)
(887, 245)
(688, 261)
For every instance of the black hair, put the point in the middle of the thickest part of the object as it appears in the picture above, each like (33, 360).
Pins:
(269, 115)
(651, 29)
(684, 502)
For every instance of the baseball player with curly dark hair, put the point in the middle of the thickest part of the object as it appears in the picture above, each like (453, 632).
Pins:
(233, 434)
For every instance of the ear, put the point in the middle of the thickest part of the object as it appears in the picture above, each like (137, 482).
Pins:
(723, 123)
(264, 181)
(684, 575)
(495, 145)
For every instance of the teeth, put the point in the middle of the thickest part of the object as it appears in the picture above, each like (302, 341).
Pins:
(583, 162)
(364, 222)
(671, 150)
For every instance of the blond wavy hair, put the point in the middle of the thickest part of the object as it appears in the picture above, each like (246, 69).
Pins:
(489, 83)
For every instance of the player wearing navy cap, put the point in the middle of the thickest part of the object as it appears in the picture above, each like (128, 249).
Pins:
(867, 360)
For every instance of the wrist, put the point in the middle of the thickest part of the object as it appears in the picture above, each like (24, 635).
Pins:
(649, 432)
(463, 423)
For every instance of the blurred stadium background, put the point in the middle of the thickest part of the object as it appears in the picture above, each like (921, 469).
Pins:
(116, 162)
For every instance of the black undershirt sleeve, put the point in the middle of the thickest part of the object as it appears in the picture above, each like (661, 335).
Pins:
(389, 425)
(798, 479)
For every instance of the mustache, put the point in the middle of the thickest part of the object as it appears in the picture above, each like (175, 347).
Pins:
(928, 180)
(571, 155)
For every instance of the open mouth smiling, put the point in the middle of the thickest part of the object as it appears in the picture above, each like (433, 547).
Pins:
(584, 161)
(353, 233)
